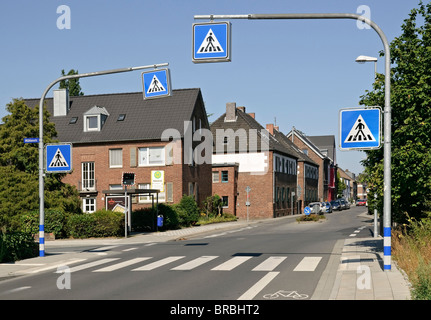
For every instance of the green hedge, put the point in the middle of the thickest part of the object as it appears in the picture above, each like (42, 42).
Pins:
(102, 223)
(17, 246)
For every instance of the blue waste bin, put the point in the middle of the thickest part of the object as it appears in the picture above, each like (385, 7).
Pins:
(160, 221)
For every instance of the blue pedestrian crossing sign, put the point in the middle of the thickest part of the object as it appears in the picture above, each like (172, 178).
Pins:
(211, 42)
(360, 128)
(156, 83)
(58, 157)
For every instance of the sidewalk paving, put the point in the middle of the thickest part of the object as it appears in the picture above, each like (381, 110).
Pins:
(359, 276)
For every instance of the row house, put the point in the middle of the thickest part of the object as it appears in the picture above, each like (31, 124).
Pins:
(264, 170)
(116, 133)
(321, 149)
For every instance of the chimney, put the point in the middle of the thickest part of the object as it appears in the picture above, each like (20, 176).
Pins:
(270, 128)
(61, 102)
(277, 128)
(230, 112)
(242, 109)
(252, 114)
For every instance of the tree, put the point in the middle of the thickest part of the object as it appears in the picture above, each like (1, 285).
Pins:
(19, 166)
(71, 84)
(411, 120)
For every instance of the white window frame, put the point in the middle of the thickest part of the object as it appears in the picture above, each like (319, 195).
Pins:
(116, 160)
(144, 154)
(87, 122)
(88, 175)
(87, 206)
(147, 198)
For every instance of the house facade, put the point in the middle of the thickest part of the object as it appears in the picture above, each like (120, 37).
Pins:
(327, 165)
(267, 170)
(112, 134)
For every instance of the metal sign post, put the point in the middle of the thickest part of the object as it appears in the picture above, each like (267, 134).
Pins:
(387, 109)
(247, 203)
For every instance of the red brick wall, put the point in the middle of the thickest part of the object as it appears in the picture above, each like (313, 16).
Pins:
(229, 188)
(177, 174)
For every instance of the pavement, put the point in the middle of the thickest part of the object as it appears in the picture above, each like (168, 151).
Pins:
(354, 271)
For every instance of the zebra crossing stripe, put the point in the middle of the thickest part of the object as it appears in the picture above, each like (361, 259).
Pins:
(269, 264)
(91, 264)
(308, 264)
(195, 263)
(159, 263)
(231, 264)
(122, 264)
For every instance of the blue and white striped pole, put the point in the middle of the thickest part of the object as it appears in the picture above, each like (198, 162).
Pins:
(387, 248)
(41, 240)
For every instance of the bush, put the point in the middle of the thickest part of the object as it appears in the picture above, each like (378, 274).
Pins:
(55, 222)
(143, 220)
(102, 223)
(187, 210)
(17, 246)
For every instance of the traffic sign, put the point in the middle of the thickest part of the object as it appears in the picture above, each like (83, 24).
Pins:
(211, 42)
(31, 140)
(58, 157)
(360, 128)
(307, 211)
(128, 179)
(156, 83)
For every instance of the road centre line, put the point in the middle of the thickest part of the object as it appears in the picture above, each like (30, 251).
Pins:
(258, 286)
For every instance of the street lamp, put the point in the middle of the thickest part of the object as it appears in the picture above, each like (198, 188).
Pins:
(41, 146)
(363, 59)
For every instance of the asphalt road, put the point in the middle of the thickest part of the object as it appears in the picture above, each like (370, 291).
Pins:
(275, 260)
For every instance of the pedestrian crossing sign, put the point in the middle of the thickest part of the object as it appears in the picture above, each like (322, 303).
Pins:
(360, 128)
(156, 83)
(211, 42)
(58, 157)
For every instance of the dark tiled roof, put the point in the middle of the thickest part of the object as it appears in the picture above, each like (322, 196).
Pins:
(145, 119)
(247, 122)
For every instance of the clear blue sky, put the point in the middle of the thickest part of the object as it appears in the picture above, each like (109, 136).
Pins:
(297, 72)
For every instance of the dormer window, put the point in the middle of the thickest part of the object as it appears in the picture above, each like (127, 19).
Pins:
(95, 118)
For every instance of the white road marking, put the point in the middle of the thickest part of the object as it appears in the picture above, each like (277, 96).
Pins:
(159, 263)
(92, 264)
(258, 286)
(195, 263)
(308, 264)
(231, 264)
(269, 264)
(122, 264)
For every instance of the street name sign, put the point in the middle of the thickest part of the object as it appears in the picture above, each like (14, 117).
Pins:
(360, 128)
(156, 83)
(58, 157)
(211, 42)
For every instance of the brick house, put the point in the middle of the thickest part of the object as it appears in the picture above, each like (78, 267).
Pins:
(327, 166)
(116, 133)
(307, 173)
(264, 164)
(225, 184)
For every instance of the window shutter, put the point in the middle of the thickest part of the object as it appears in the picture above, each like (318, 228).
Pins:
(133, 157)
(169, 192)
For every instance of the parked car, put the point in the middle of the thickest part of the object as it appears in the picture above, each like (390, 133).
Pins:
(344, 203)
(336, 205)
(312, 207)
(361, 202)
(328, 207)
